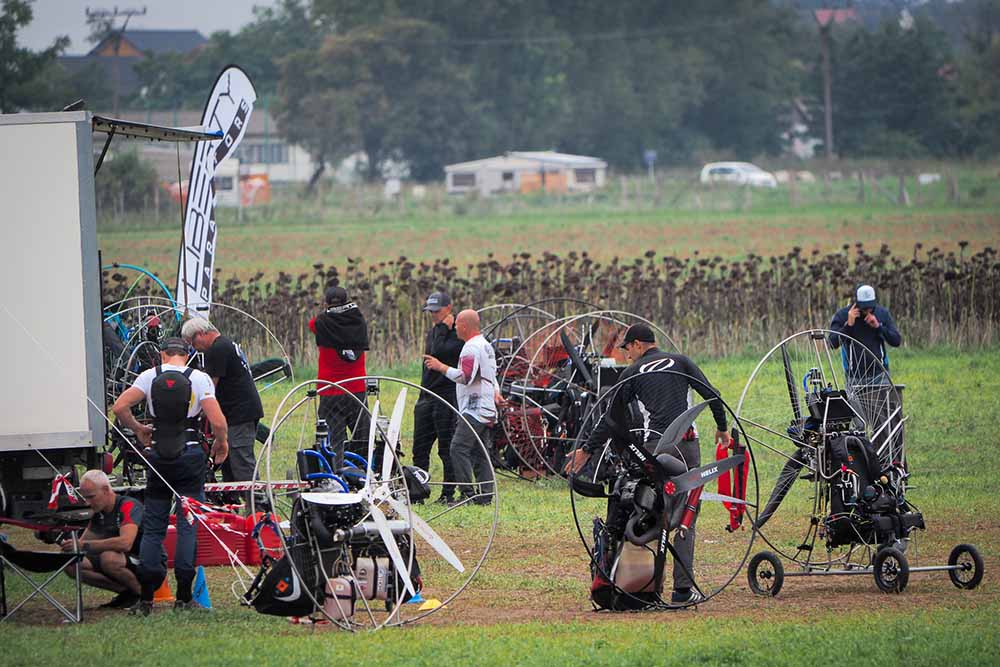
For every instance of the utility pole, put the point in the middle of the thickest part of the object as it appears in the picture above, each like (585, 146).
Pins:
(110, 15)
(824, 45)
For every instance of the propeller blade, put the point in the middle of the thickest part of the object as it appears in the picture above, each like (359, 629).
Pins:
(678, 427)
(721, 498)
(427, 533)
(395, 426)
(390, 544)
(372, 429)
(696, 477)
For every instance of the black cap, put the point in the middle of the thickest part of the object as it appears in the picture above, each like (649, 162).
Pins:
(437, 301)
(335, 295)
(174, 344)
(638, 332)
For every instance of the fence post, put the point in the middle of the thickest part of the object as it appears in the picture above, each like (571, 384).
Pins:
(953, 192)
(624, 191)
(793, 188)
(904, 196)
(862, 195)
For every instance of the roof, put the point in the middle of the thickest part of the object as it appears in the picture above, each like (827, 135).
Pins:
(530, 160)
(158, 41)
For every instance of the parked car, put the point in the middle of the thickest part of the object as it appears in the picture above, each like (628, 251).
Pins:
(738, 173)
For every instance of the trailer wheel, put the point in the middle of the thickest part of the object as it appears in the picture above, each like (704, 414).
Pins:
(971, 572)
(891, 569)
(765, 574)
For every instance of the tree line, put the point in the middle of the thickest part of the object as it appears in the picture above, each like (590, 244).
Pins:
(430, 82)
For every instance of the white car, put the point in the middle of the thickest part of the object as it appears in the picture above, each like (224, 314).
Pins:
(738, 173)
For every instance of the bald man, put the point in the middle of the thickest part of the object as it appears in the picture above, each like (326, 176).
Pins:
(476, 391)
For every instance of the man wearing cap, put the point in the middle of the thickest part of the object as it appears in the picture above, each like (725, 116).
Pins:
(176, 396)
(476, 392)
(235, 390)
(342, 339)
(433, 419)
(658, 394)
(869, 325)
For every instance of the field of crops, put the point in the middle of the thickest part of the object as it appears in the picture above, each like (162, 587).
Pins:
(724, 277)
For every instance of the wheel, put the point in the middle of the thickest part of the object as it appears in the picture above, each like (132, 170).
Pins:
(971, 572)
(891, 570)
(766, 574)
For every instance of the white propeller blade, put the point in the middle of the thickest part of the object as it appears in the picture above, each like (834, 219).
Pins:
(372, 428)
(395, 426)
(390, 544)
(428, 533)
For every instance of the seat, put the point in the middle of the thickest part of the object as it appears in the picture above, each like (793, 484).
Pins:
(52, 563)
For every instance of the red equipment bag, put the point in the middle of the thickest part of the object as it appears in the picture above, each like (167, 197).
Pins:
(734, 483)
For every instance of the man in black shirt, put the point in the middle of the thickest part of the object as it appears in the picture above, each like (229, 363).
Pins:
(432, 419)
(234, 389)
(111, 541)
(659, 397)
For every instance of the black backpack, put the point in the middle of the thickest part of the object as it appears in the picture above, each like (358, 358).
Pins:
(170, 395)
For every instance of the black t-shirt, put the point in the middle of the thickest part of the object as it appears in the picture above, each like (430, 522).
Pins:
(105, 525)
(660, 396)
(236, 391)
(443, 343)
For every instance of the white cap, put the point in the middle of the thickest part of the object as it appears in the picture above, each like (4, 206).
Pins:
(866, 297)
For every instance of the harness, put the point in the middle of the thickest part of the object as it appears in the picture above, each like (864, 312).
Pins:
(173, 430)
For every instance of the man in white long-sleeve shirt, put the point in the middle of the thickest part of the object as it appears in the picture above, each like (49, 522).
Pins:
(476, 393)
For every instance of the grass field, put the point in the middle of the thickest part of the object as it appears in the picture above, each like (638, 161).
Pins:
(529, 604)
(292, 242)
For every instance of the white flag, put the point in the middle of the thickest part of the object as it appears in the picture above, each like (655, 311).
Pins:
(228, 111)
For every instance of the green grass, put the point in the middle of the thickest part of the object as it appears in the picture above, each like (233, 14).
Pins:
(529, 604)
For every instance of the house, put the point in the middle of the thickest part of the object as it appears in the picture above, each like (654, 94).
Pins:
(117, 61)
(527, 171)
(262, 151)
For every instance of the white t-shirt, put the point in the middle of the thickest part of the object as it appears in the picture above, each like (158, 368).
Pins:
(475, 378)
(202, 387)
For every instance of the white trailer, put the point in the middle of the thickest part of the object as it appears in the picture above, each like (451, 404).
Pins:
(52, 398)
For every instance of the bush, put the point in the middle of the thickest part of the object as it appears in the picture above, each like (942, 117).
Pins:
(125, 184)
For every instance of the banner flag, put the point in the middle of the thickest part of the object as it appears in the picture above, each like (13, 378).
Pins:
(228, 111)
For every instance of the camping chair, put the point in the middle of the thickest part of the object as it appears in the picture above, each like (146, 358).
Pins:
(21, 562)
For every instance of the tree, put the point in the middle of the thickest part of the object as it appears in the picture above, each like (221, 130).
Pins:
(893, 95)
(19, 66)
(387, 91)
(979, 81)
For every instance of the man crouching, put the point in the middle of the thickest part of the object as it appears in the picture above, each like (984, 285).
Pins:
(110, 541)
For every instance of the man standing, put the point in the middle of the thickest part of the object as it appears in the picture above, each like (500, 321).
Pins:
(660, 398)
(235, 391)
(111, 541)
(175, 396)
(475, 391)
(433, 419)
(342, 339)
(871, 326)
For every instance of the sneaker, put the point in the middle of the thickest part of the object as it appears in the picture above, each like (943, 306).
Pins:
(445, 500)
(189, 605)
(141, 608)
(123, 600)
(686, 598)
(483, 500)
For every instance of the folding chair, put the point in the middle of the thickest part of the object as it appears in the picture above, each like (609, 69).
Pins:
(21, 562)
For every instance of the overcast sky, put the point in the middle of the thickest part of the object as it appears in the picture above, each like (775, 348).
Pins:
(68, 17)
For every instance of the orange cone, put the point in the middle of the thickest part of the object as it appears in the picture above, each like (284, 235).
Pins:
(163, 593)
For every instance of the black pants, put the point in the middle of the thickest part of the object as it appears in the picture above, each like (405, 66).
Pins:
(434, 420)
(689, 454)
(343, 412)
(468, 457)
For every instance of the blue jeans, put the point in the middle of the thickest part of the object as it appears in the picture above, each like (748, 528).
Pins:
(152, 570)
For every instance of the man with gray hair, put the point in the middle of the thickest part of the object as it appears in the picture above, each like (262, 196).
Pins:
(111, 541)
(234, 389)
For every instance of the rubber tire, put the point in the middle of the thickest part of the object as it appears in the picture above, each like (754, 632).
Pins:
(977, 572)
(779, 574)
(902, 578)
